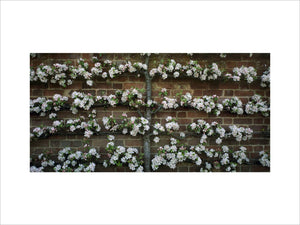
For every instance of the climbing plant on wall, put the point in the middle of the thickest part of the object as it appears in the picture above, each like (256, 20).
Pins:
(221, 158)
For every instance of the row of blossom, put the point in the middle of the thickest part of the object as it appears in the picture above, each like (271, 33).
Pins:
(65, 74)
(134, 99)
(208, 159)
(211, 104)
(211, 72)
(128, 125)
(204, 129)
(69, 160)
(140, 126)
(89, 126)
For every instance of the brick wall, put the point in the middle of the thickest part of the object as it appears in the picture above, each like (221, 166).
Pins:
(244, 91)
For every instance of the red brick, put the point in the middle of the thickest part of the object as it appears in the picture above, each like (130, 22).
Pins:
(102, 85)
(244, 93)
(181, 114)
(218, 120)
(77, 85)
(195, 84)
(257, 148)
(40, 143)
(229, 85)
(242, 121)
(135, 142)
(37, 92)
(227, 121)
(196, 114)
(184, 121)
(133, 85)
(121, 78)
(213, 92)
(244, 85)
(50, 93)
(258, 121)
(197, 93)
(228, 93)
(117, 86)
(262, 93)
(165, 114)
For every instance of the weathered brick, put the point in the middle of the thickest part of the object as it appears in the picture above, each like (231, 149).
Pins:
(228, 92)
(37, 92)
(117, 86)
(133, 85)
(227, 121)
(244, 93)
(50, 93)
(213, 92)
(242, 121)
(181, 114)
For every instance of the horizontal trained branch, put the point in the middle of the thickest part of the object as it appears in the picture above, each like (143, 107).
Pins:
(207, 159)
(65, 74)
(133, 98)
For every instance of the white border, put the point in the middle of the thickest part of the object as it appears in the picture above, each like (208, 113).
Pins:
(150, 27)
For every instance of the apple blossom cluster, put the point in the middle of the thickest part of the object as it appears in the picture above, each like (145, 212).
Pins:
(81, 100)
(214, 129)
(256, 104)
(41, 105)
(171, 155)
(45, 131)
(107, 100)
(233, 105)
(44, 163)
(265, 78)
(128, 125)
(57, 73)
(89, 127)
(264, 159)
(240, 133)
(64, 74)
(133, 97)
(158, 128)
(120, 156)
(169, 103)
(192, 69)
(225, 160)
(82, 71)
(171, 124)
(207, 159)
(127, 67)
(247, 73)
(69, 160)
(206, 130)
(209, 104)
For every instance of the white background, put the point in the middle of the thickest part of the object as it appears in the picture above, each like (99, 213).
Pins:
(203, 27)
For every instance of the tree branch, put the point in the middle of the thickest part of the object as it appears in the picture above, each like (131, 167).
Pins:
(140, 113)
(157, 110)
